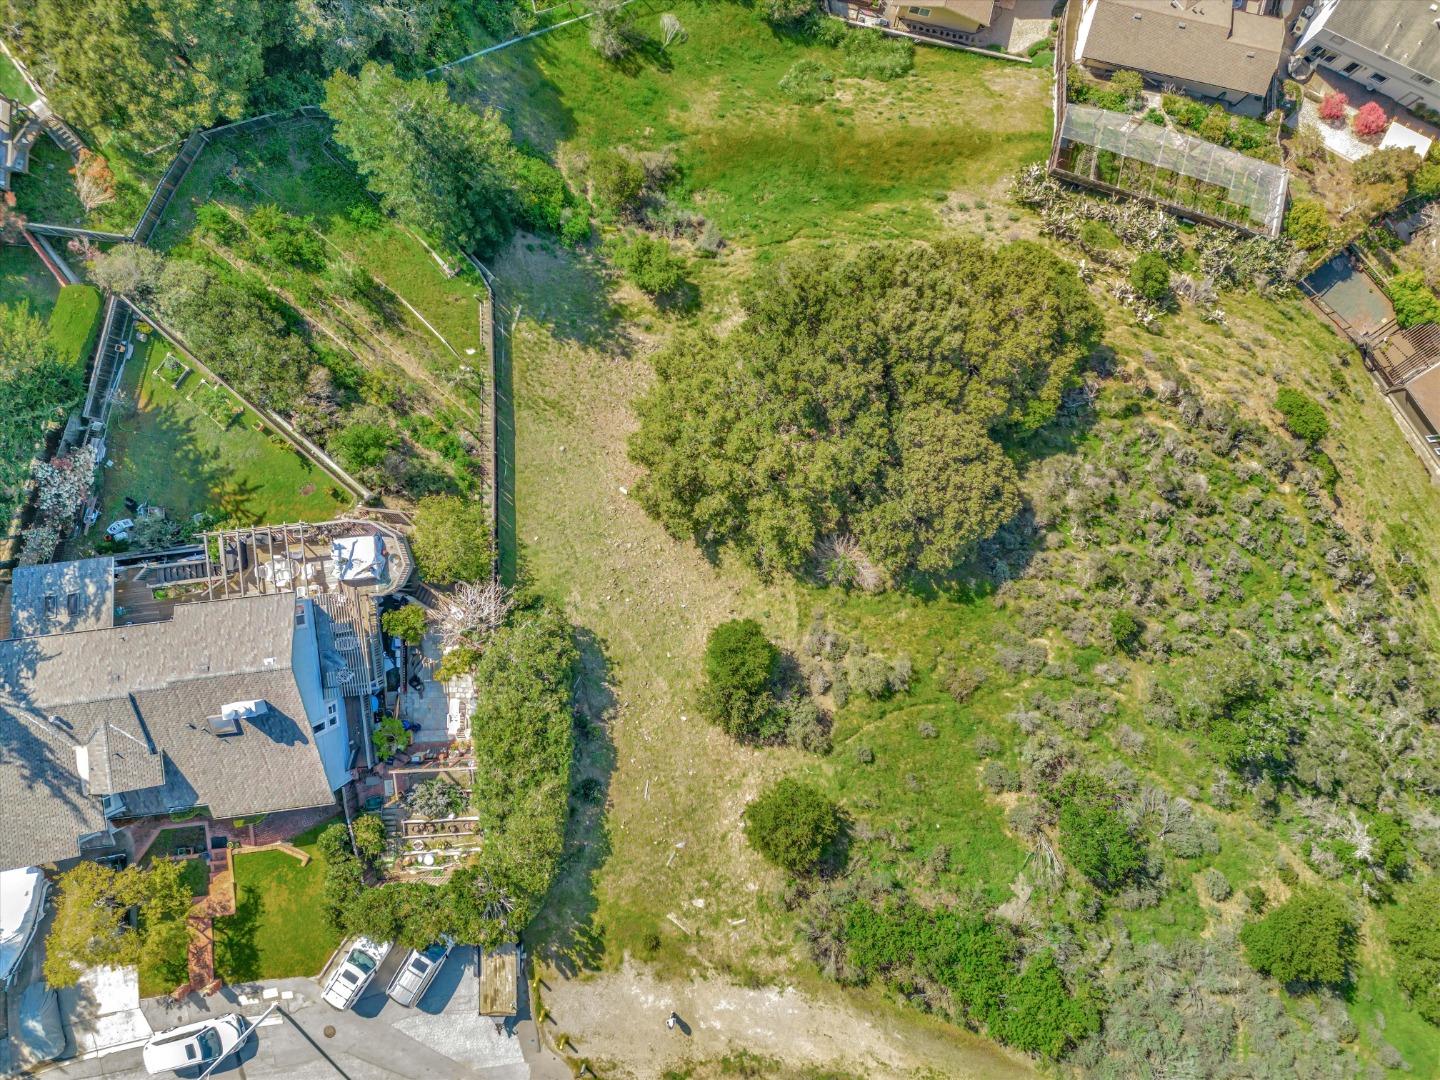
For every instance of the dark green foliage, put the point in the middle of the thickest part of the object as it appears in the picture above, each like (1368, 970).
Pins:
(1084, 90)
(650, 263)
(1425, 183)
(1415, 302)
(407, 623)
(524, 744)
(545, 203)
(369, 831)
(448, 171)
(1094, 837)
(1096, 236)
(286, 241)
(739, 669)
(965, 965)
(862, 396)
(1304, 418)
(1129, 83)
(1310, 939)
(1414, 935)
(362, 449)
(1151, 277)
(451, 540)
(1125, 629)
(791, 824)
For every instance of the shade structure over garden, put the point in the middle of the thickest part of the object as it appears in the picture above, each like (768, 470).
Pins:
(1179, 171)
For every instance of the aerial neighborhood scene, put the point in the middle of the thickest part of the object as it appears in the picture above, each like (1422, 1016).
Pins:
(686, 539)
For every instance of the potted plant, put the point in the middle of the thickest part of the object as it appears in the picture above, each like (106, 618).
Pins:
(390, 737)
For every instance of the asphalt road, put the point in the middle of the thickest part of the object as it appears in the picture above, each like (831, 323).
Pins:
(442, 1038)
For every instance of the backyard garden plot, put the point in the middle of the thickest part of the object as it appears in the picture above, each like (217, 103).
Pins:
(178, 442)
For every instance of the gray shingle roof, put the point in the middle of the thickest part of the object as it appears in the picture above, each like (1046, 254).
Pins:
(1202, 42)
(1405, 31)
(56, 598)
(135, 700)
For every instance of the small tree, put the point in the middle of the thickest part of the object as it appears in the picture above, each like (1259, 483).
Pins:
(471, 612)
(1309, 939)
(369, 832)
(1304, 418)
(94, 182)
(1333, 106)
(611, 33)
(451, 540)
(1308, 225)
(650, 263)
(1151, 277)
(1370, 120)
(1415, 941)
(406, 623)
(617, 182)
(1131, 84)
(739, 666)
(791, 824)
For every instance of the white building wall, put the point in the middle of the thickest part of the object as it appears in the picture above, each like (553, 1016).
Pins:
(324, 709)
(1369, 68)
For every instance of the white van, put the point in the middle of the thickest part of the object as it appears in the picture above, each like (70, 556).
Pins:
(196, 1045)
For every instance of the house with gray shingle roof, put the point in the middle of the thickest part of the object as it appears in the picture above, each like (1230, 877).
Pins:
(1389, 46)
(1228, 50)
(223, 705)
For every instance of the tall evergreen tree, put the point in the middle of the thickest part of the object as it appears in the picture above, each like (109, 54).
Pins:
(446, 170)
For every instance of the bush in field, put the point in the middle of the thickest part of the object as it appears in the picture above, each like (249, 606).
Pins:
(1094, 837)
(869, 54)
(739, 667)
(788, 12)
(406, 623)
(791, 824)
(612, 34)
(1131, 84)
(436, 798)
(808, 82)
(1309, 939)
(1097, 238)
(1333, 106)
(649, 262)
(1414, 935)
(451, 540)
(1304, 418)
(1308, 225)
(1369, 120)
(1151, 277)
(1125, 629)
(1415, 302)
(1217, 885)
(617, 182)
(363, 448)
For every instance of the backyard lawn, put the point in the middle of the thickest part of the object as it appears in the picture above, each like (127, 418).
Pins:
(24, 277)
(168, 451)
(279, 928)
(12, 84)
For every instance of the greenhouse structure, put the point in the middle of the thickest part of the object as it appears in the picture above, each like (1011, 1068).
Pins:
(1125, 155)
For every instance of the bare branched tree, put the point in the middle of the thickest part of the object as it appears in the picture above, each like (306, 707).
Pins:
(471, 612)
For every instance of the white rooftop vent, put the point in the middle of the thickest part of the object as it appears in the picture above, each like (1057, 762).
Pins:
(228, 722)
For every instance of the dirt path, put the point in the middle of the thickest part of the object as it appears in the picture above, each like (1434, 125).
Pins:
(619, 1018)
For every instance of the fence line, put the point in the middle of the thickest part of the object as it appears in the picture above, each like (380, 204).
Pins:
(517, 40)
(324, 460)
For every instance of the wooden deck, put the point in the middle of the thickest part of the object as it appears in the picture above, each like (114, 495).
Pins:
(499, 981)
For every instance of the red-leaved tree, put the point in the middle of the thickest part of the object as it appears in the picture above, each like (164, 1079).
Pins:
(1333, 105)
(1369, 120)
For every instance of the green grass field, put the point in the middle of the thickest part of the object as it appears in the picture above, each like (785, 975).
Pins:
(874, 162)
(169, 453)
(46, 192)
(75, 322)
(23, 278)
(279, 928)
(12, 84)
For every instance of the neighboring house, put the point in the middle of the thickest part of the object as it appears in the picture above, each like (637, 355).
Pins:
(236, 705)
(18, 132)
(1228, 50)
(962, 18)
(1390, 46)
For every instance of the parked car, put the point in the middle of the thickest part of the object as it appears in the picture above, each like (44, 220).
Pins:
(198, 1045)
(418, 972)
(355, 972)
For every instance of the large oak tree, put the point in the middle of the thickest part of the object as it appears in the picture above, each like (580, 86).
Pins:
(867, 397)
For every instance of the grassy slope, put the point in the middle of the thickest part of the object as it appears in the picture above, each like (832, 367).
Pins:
(649, 600)
(23, 277)
(279, 928)
(75, 322)
(169, 453)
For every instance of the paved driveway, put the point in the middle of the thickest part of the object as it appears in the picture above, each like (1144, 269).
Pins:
(441, 1038)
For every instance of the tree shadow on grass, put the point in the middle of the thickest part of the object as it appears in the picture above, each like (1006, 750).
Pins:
(237, 957)
(566, 933)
